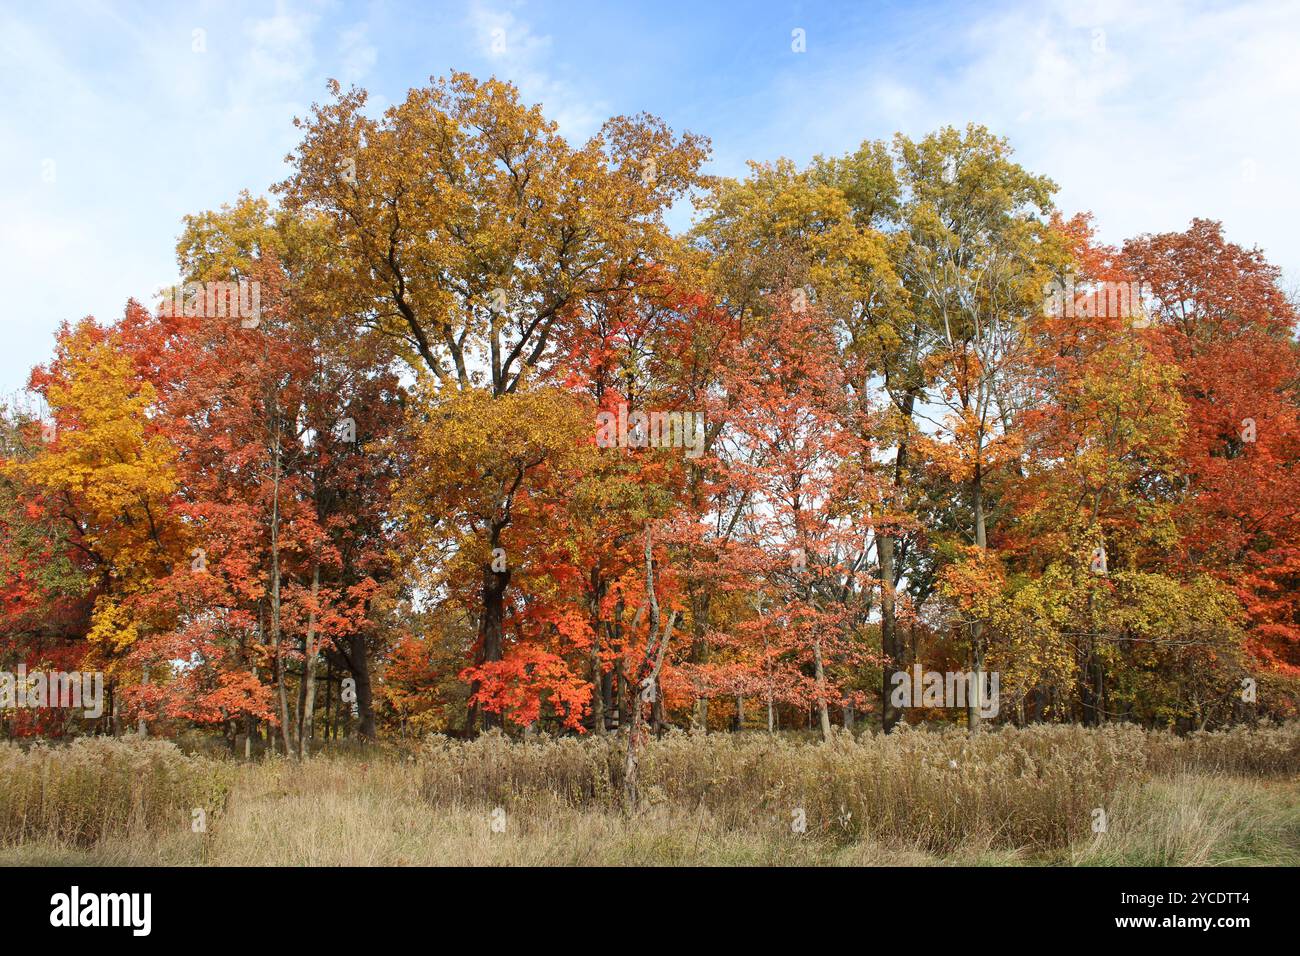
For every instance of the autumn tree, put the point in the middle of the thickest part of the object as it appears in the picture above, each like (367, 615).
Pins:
(112, 475)
(794, 241)
(470, 231)
(44, 569)
(1230, 329)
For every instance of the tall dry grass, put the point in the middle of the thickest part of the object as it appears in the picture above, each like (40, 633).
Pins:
(102, 787)
(1265, 750)
(916, 797)
(1034, 788)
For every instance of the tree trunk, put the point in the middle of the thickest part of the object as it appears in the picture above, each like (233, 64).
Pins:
(597, 675)
(889, 715)
(360, 667)
(309, 669)
(631, 783)
(890, 646)
(277, 636)
(647, 676)
(626, 697)
(767, 683)
(700, 654)
(608, 707)
(491, 630)
(329, 700)
(975, 695)
(973, 717)
(141, 726)
(300, 702)
(819, 670)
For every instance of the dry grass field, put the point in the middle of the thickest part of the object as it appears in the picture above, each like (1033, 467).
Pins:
(1010, 797)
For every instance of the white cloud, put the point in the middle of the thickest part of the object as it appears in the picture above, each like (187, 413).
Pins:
(1143, 112)
(146, 124)
(140, 137)
(1147, 112)
(279, 57)
(1155, 128)
(357, 55)
(518, 54)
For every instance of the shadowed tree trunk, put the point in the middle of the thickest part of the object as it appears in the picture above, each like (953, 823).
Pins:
(597, 677)
(889, 648)
(309, 669)
(491, 631)
(351, 656)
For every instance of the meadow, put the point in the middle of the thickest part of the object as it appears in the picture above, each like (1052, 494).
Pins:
(1041, 795)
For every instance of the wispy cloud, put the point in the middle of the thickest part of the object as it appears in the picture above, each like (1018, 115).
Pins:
(1146, 113)
(117, 123)
(518, 53)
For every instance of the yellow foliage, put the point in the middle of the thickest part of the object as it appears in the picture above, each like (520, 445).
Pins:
(116, 473)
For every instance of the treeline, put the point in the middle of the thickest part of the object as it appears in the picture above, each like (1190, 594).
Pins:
(455, 433)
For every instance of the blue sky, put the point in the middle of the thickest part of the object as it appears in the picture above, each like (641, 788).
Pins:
(118, 119)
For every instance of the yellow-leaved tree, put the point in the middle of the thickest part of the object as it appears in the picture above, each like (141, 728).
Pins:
(113, 475)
